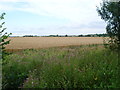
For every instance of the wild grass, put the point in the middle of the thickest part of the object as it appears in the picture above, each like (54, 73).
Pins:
(90, 66)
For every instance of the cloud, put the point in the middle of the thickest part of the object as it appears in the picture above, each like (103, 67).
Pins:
(74, 29)
(12, 0)
(81, 14)
(73, 10)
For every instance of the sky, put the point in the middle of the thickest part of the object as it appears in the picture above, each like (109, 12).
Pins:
(52, 17)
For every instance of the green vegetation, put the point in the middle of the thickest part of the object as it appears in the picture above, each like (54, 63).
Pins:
(109, 12)
(3, 36)
(90, 66)
(88, 35)
(30, 36)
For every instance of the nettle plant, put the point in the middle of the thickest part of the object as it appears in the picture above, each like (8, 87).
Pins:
(3, 36)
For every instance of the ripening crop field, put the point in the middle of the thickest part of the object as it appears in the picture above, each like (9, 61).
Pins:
(44, 42)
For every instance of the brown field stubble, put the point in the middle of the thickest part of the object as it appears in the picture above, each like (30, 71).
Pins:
(45, 42)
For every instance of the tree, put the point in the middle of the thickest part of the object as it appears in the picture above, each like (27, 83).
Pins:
(110, 13)
(66, 35)
(3, 37)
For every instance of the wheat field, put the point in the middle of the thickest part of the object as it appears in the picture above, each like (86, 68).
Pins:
(44, 42)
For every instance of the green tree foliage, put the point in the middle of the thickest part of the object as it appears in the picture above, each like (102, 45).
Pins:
(3, 36)
(110, 13)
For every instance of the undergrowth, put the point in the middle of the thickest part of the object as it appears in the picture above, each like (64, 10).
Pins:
(89, 66)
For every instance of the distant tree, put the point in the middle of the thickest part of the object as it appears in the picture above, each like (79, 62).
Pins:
(57, 35)
(66, 35)
(28, 36)
(80, 35)
(3, 37)
(88, 35)
(110, 13)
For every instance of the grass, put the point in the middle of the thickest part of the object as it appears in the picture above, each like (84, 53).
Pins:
(90, 66)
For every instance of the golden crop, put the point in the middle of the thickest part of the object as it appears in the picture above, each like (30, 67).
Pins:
(44, 42)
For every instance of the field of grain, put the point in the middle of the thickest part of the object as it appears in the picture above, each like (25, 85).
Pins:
(44, 42)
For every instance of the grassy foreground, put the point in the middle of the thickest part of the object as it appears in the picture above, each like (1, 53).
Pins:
(89, 66)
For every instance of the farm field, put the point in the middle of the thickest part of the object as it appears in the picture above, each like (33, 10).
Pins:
(44, 42)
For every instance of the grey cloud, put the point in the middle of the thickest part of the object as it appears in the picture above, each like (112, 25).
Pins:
(92, 25)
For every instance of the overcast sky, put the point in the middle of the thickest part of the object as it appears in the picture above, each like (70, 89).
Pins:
(46, 17)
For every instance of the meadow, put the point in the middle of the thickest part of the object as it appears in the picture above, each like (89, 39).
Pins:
(81, 66)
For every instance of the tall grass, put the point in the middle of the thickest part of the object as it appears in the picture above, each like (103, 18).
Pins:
(68, 67)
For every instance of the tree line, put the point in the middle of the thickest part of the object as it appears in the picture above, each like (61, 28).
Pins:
(88, 35)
